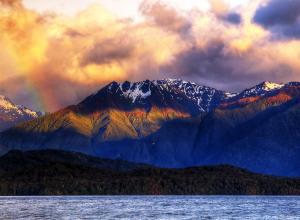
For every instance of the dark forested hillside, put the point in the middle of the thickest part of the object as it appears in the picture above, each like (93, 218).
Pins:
(61, 173)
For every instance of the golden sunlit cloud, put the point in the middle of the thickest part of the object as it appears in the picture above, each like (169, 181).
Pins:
(50, 60)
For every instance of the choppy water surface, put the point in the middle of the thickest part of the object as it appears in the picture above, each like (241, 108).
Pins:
(150, 207)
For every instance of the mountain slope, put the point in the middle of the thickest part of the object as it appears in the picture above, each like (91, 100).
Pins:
(118, 111)
(62, 173)
(173, 123)
(11, 114)
(262, 136)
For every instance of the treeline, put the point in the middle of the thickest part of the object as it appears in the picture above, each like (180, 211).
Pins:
(32, 173)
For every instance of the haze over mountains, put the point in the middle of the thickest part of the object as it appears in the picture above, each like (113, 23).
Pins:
(174, 123)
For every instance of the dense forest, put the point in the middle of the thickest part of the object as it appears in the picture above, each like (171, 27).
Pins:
(50, 172)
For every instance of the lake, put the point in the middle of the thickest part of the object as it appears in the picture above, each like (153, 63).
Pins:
(150, 207)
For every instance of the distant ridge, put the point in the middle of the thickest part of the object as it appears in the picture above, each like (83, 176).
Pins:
(67, 173)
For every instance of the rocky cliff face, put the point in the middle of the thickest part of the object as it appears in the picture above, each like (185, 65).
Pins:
(173, 123)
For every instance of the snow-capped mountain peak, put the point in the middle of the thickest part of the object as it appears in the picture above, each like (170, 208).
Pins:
(261, 89)
(11, 114)
(202, 98)
(5, 103)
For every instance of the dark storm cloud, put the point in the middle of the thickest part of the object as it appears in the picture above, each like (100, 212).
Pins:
(214, 66)
(200, 61)
(281, 17)
(105, 52)
(287, 31)
(209, 64)
(278, 12)
(233, 18)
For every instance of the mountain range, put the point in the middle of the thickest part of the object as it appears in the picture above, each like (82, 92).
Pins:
(175, 124)
(12, 114)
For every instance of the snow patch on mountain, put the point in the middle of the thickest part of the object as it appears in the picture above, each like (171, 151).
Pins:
(135, 90)
(229, 95)
(268, 86)
(6, 104)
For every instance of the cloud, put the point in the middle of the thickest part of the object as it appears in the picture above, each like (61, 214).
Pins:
(278, 12)
(219, 7)
(11, 3)
(218, 65)
(281, 17)
(56, 57)
(223, 12)
(166, 17)
(48, 61)
(233, 18)
(108, 51)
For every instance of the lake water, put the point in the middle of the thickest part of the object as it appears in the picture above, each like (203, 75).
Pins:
(150, 207)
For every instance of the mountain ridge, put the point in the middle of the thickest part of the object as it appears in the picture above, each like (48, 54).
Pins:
(161, 123)
(49, 172)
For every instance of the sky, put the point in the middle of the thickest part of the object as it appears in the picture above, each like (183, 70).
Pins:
(55, 53)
